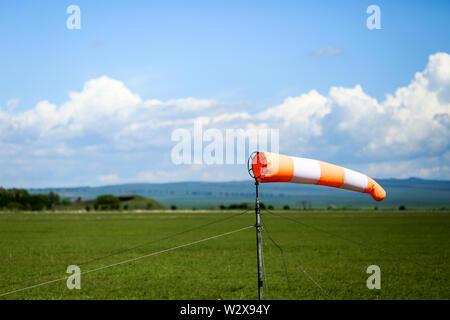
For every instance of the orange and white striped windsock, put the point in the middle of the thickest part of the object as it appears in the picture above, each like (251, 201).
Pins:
(273, 167)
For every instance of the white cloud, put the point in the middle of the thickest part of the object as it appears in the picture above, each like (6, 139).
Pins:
(105, 109)
(12, 104)
(191, 104)
(228, 117)
(156, 176)
(427, 168)
(304, 113)
(413, 121)
(109, 178)
(409, 128)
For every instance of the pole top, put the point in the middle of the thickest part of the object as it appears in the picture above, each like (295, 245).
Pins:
(253, 166)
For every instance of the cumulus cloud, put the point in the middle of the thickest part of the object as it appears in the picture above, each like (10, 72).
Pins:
(105, 121)
(411, 122)
(304, 113)
(105, 110)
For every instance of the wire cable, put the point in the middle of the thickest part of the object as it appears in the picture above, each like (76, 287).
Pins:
(127, 249)
(298, 266)
(129, 260)
(350, 240)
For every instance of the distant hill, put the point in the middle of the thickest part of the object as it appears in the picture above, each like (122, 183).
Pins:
(412, 193)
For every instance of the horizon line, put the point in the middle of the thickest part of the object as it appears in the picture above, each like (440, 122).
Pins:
(192, 181)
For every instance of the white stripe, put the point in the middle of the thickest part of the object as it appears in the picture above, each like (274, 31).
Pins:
(354, 181)
(305, 171)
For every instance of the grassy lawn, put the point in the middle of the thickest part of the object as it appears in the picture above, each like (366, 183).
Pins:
(414, 262)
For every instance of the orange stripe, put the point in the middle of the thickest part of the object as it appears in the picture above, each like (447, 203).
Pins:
(273, 167)
(331, 175)
(375, 190)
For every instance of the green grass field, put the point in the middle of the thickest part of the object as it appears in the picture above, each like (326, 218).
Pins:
(415, 264)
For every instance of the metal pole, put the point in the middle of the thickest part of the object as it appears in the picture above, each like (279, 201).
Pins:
(258, 243)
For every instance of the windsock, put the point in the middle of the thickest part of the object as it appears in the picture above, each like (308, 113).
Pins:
(273, 167)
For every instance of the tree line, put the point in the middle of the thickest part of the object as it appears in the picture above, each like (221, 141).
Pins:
(20, 199)
(246, 205)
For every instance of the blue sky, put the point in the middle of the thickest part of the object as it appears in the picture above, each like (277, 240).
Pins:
(233, 56)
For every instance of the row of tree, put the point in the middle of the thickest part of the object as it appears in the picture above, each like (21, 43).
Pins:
(245, 206)
(20, 199)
